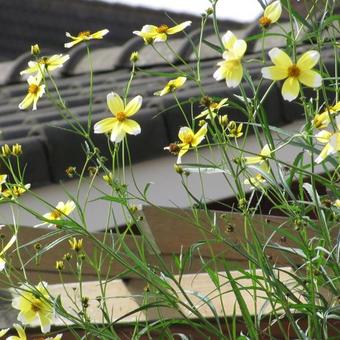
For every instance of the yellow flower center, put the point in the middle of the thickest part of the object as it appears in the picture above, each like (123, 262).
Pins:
(121, 116)
(36, 305)
(264, 22)
(162, 29)
(84, 34)
(293, 71)
(188, 138)
(33, 89)
(213, 106)
(55, 214)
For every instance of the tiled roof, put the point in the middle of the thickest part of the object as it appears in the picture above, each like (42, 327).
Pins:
(49, 148)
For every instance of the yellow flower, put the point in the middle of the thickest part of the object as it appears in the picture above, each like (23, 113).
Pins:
(34, 305)
(151, 33)
(171, 86)
(84, 36)
(44, 64)
(15, 191)
(301, 72)
(61, 210)
(337, 203)
(332, 141)
(35, 91)
(120, 125)
(76, 245)
(271, 14)
(213, 109)
(234, 130)
(4, 331)
(264, 154)
(4, 249)
(231, 68)
(189, 139)
(21, 333)
(322, 120)
(258, 178)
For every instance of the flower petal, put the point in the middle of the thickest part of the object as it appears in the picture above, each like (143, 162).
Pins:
(280, 58)
(239, 48)
(199, 135)
(273, 11)
(229, 40)
(308, 60)
(114, 103)
(131, 127)
(290, 89)
(100, 34)
(105, 125)
(26, 102)
(234, 75)
(274, 73)
(310, 78)
(133, 106)
(326, 151)
(117, 134)
(178, 28)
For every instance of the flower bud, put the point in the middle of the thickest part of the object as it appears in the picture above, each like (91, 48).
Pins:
(35, 49)
(5, 150)
(134, 57)
(16, 149)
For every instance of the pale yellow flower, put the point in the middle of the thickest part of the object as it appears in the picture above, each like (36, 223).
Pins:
(323, 119)
(34, 305)
(120, 124)
(258, 179)
(21, 333)
(189, 139)
(213, 109)
(84, 36)
(271, 14)
(61, 210)
(332, 141)
(4, 249)
(44, 64)
(15, 191)
(301, 72)
(151, 33)
(171, 86)
(231, 68)
(337, 203)
(263, 156)
(235, 130)
(35, 91)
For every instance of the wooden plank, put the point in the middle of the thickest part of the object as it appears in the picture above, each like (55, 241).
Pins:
(177, 229)
(123, 297)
